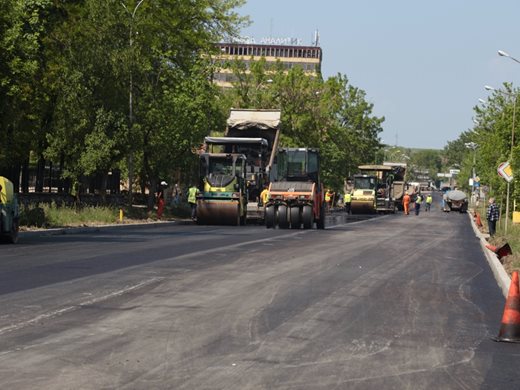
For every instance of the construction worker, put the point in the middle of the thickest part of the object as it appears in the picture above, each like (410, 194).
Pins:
(418, 201)
(160, 198)
(192, 200)
(264, 195)
(348, 202)
(328, 199)
(429, 201)
(406, 203)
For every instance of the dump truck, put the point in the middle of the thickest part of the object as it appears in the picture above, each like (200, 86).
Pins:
(255, 124)
(222, 197)
(9, 212)
(456, 200)
(378, 189)
(296, 198)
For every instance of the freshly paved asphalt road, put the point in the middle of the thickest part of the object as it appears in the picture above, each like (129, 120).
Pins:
(397, 302)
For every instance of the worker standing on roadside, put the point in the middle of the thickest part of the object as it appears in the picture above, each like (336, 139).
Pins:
(160, 199)
(418, 202)
(348, 202)
(492, 215)
(192, 200)
(328, 198)
(429, 201)
(406, 203)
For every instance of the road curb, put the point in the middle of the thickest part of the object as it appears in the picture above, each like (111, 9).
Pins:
(93, 229)
(501, 276)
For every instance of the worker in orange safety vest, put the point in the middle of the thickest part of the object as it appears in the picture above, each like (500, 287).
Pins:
(406, 203)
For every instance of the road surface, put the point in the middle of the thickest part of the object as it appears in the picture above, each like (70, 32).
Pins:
(394, 302)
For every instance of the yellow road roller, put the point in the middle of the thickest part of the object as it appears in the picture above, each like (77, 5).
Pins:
(223, 199)
(9, 212)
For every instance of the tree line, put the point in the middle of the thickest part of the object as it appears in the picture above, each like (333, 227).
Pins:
(494, 139)
(92, 86)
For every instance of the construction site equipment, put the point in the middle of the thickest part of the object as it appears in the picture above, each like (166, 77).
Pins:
(296, 198)
(9, 212)
(223, 198)
(246, 153)
(255, 124)
(378, 188)
(456, 200)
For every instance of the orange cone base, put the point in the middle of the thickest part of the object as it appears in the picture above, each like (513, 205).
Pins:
(509, 333)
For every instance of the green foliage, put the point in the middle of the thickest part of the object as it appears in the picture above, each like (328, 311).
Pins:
(493, 133)
(329, 114)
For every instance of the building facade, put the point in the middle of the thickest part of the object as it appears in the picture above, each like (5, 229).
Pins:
(307, 57)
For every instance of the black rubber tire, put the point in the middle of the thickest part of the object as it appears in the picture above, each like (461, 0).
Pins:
(320, 223)
(307, 217)
(296, 220)
(283, 221)
(269, 217)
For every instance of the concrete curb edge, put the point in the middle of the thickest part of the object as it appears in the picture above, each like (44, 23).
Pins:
(497, 268)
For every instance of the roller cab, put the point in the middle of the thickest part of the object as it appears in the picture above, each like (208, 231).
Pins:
(223, 198)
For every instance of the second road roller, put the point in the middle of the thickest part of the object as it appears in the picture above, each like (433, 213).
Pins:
(296, 198)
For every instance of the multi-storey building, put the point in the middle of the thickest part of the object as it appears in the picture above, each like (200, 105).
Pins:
(307, 57)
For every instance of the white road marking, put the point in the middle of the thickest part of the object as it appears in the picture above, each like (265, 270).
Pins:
(68, 309)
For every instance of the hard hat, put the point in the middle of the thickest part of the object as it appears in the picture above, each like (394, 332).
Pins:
(163, 183)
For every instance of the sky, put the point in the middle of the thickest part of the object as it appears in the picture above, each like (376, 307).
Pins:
(423, 64)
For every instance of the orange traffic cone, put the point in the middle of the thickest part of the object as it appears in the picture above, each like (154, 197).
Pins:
(492, 248)
(478, 221)
(510, 329)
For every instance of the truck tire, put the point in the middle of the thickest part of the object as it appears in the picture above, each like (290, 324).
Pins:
(270, 217)
(307, 217)
(295, 217)
(283, 221)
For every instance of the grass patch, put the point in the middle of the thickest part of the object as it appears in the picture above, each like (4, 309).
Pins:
(51, 216)
(54, 216)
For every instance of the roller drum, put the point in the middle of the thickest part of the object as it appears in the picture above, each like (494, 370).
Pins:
(218, 213)
(361, 207)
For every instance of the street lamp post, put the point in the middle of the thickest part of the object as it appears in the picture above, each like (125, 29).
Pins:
(473, 146)
(513, 95)
(131, 98)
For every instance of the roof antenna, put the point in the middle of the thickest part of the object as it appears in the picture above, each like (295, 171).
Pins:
(316, 41)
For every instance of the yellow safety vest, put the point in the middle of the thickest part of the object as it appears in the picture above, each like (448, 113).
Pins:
(348, 198)
(192, 195)
(264, 196)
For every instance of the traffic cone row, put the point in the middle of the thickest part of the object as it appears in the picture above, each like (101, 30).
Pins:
(510, 328)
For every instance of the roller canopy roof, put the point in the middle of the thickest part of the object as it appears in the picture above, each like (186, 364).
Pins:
(375, 168)
(262, 119)
(234, 140)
